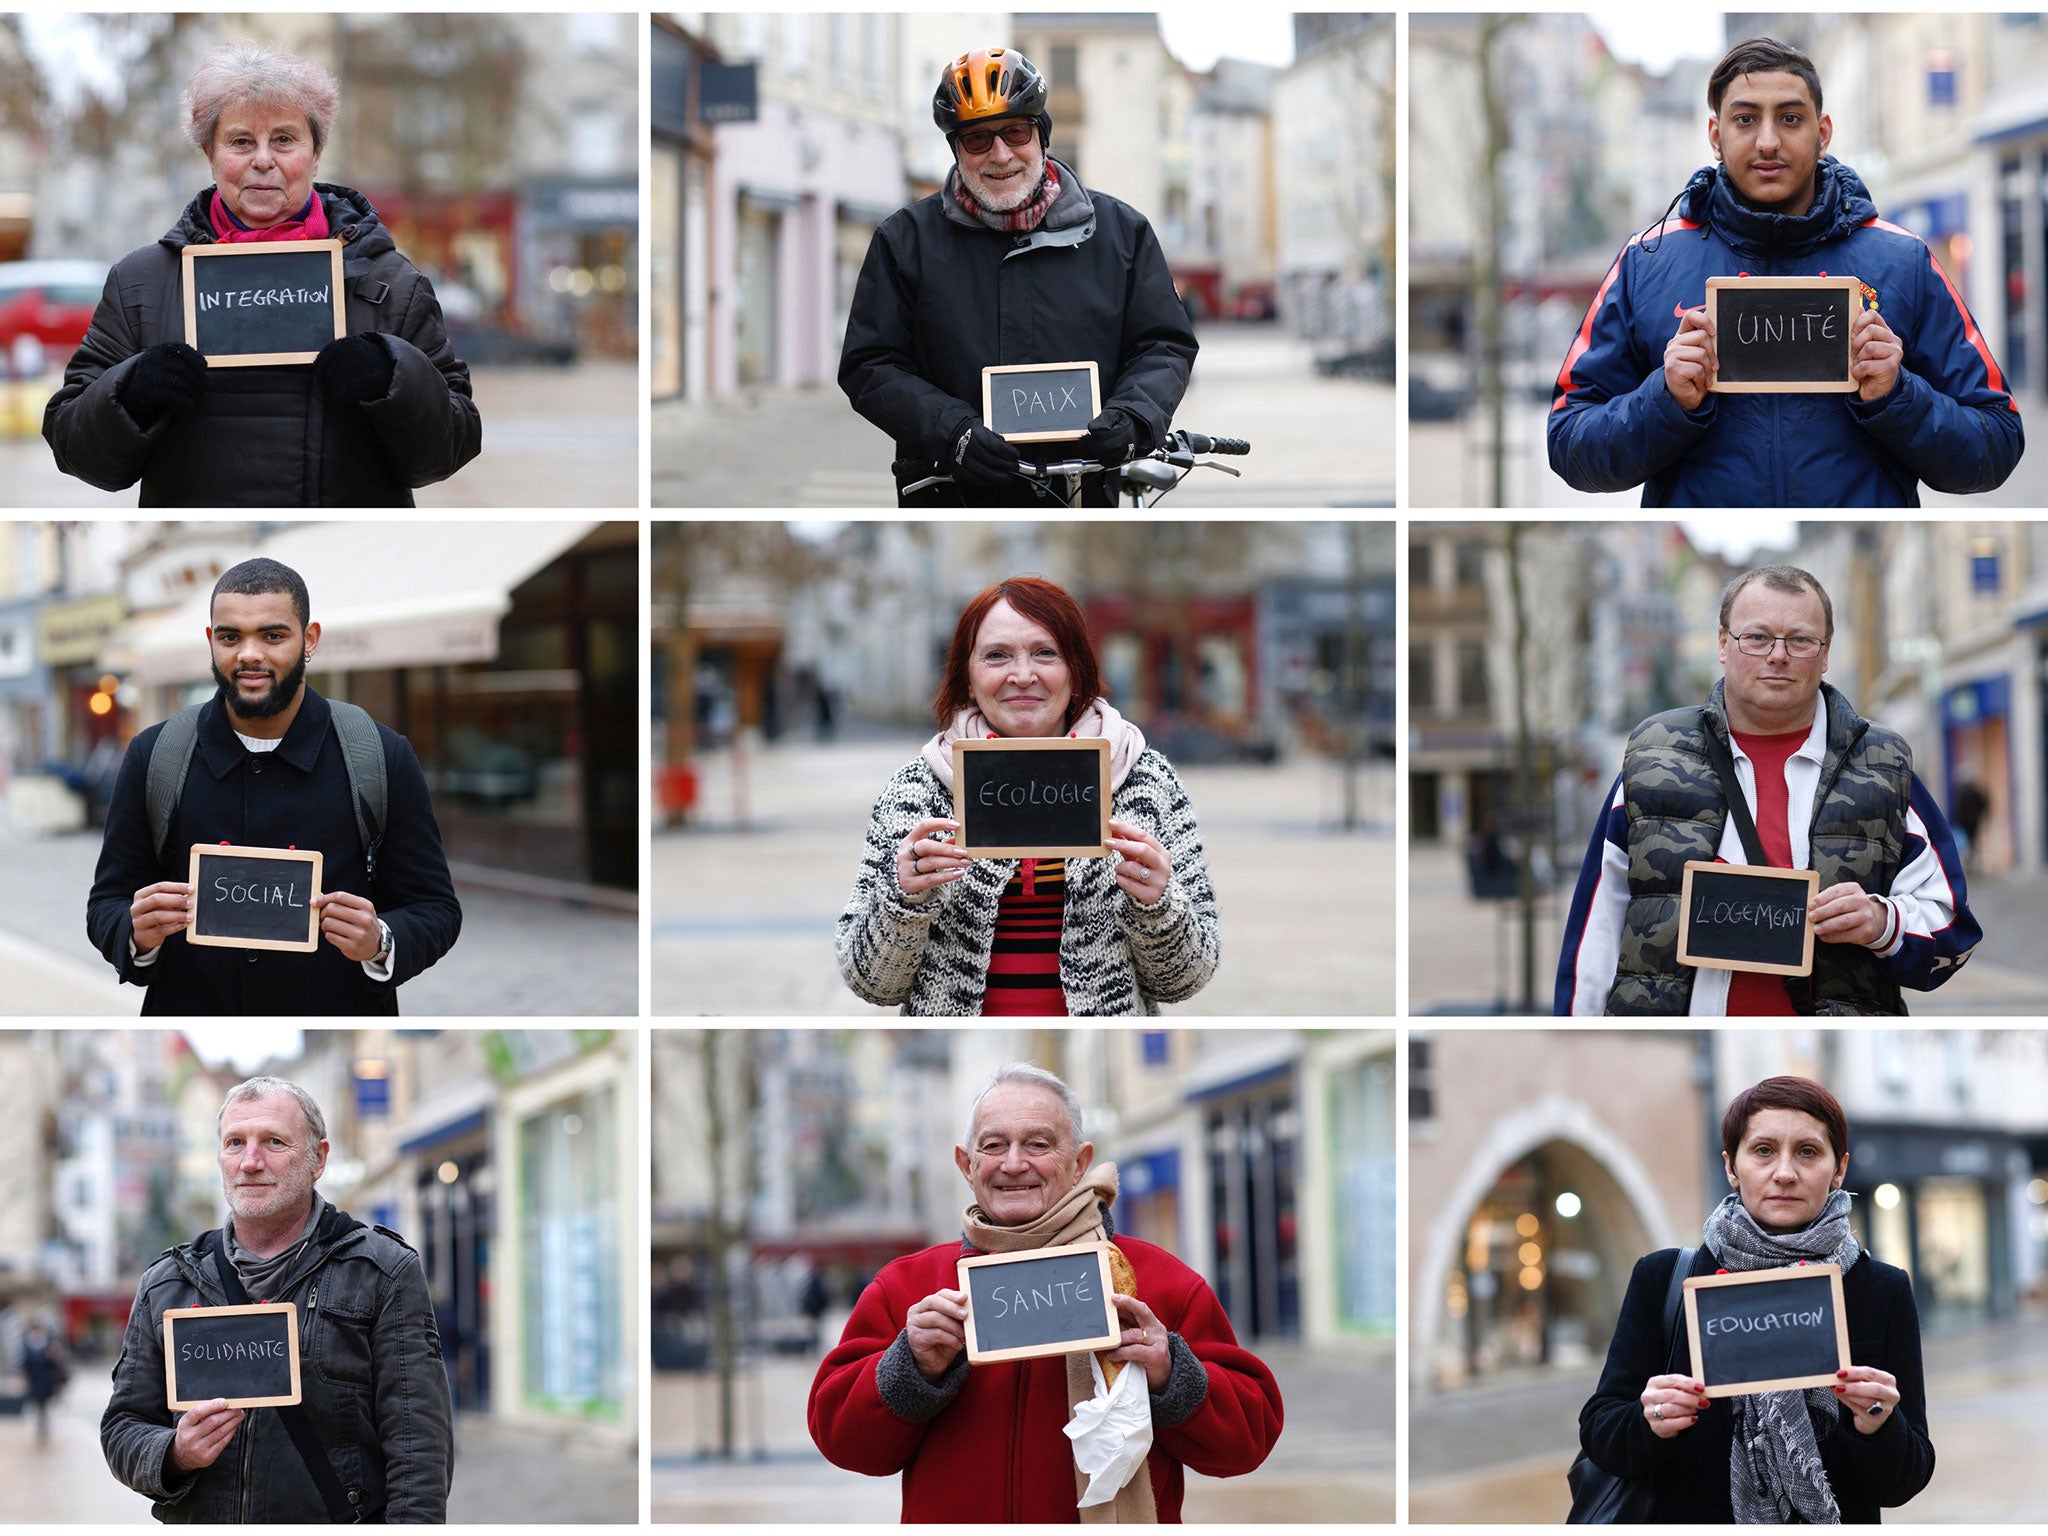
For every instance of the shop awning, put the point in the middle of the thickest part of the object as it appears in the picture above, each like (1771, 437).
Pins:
(384, 595)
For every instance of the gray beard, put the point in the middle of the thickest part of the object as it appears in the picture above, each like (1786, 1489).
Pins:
(986, 205)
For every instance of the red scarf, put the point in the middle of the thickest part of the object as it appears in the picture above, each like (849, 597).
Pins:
(1018, 221)
(311, 224)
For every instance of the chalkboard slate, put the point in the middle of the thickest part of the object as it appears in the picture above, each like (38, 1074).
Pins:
(1747, 917)
(1032, 797)
(255, 898)
(1782, 335)
(1767, 1330)
(248, 1355)
(1040, 402)
(262, 303)
(1050, 1301)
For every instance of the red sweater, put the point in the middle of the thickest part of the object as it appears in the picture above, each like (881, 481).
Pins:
(997, 1452)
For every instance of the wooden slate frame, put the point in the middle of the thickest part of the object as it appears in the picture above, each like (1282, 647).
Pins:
(290, 1312)
(1756, 1277)
(988, 378)
(1096, 744)
(1113, 1330)
(1809, 877)
(194, 253)
(1846, 385)
(311, 856)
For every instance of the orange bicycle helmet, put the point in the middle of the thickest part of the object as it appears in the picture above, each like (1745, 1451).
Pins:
(986, 84)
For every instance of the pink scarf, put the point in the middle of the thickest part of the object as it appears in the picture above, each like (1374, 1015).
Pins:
(1018, 221)
(311, 224)
(1126, 741)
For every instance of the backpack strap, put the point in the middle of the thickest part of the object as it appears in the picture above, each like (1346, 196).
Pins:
(1674, 1299)
(362, 753)
(170, 757)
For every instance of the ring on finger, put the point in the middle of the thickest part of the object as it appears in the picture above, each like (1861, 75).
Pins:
(1657, 1412)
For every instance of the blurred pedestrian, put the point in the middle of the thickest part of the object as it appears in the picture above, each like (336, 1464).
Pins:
(1972, 805)
(382, 409)
(939, 932)
(1634, 403)
(337, 782)
(43, 1373)
(1824, 1456)
(1776, 768)
(987, 1443)
(372, 1440)
(1012, 261)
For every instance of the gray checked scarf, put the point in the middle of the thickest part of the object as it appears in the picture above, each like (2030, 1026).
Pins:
(1775, 1476)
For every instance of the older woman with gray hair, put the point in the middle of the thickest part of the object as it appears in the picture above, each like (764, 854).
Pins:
(383, 408)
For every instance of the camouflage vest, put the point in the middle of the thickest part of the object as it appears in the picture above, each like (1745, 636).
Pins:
(1676, 813)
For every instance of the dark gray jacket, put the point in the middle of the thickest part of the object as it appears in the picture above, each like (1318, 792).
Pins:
(269, 437)
(370, 1369)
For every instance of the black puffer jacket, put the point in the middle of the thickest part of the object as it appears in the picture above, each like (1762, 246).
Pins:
(942, 296)
(371, 1374)
(269, 437)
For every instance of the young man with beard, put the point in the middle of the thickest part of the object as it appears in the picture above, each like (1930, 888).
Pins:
(269, 765)
(1633, 406)
(1012, 261)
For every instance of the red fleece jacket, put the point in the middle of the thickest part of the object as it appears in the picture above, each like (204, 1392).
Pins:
(996, 1450)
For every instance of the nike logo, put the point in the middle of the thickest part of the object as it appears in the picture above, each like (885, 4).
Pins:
(1678, 311)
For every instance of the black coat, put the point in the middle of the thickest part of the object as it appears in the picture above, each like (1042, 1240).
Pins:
(269, 437)
(295, 796)
(941, 296)
(1867, 1472)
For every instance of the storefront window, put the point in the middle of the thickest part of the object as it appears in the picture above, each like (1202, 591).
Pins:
(571, 1219)
(1955, 1244)
(1362, 1121)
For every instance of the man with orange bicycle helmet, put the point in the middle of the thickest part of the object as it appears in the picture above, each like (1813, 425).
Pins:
(989, 84)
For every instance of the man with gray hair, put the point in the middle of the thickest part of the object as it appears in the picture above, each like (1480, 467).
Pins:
(983, 1443)
(372, 1438)
(1776, 768)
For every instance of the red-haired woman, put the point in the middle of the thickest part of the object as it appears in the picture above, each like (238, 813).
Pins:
(1833, 1455)
(940, 933)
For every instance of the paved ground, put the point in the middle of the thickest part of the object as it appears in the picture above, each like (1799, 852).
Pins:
(743, 919)
(517, 955)
(1499, 1453)
(1315, 441)
(504, 1474)
(1464, 955)
(1334, 1460)
(553, 437)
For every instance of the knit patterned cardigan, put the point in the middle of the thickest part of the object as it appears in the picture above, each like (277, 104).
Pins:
(930, 953)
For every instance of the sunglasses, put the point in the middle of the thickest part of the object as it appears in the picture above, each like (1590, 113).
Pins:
(979, 141)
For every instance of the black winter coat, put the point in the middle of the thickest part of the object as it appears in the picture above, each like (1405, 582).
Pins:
(295, 796)
(1867, 1472)
(369, 1366)
(269, 437)
(941, 296)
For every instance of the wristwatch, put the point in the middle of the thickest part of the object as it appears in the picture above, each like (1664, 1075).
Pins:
(384, 943)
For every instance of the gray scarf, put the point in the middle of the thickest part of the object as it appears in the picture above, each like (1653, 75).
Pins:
(1775, 1476)
(256, 1274)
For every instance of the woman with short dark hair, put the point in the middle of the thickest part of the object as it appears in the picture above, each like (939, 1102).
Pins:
(1823, 1456)
(938, 932)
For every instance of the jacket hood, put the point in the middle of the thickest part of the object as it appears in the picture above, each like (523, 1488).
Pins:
(349, 216)
(337, 1232)
(1841, 203)
(1071, 208)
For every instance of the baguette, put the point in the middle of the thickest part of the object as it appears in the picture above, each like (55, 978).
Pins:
(1124, 1279)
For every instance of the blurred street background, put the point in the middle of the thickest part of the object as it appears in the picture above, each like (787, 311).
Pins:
(507, 654)
(1599, 119)
(502, 152)
(1260, 147)
(1939, 635)
(505, 1157)
(789, 1166)
(794, 666)
(1542, 1165)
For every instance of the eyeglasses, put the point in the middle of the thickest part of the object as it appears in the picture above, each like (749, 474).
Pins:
(979, 141)
(1756, 643)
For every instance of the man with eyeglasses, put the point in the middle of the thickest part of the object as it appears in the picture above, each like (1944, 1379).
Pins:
(1825, 790)
(1012, 261)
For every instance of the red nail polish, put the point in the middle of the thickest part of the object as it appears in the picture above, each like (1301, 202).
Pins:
(1842, 1375)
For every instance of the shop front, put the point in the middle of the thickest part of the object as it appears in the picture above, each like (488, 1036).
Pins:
(1939, 1203)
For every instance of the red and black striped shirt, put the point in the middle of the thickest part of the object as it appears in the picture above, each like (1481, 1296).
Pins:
(1024, 965)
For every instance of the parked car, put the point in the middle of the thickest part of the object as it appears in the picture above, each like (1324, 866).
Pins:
(50, 301)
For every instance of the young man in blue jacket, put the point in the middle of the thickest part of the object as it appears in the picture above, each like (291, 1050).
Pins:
(1632, 404)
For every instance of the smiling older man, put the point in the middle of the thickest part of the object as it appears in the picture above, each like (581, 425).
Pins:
(987, 1443)
(371, 1441)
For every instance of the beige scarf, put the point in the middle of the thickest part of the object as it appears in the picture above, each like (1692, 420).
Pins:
(1075, 1219)
(1126, 741)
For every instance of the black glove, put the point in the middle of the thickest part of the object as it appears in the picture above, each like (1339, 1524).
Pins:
(168, 379)
(356, 369)
(982, 458)
(1111, 439)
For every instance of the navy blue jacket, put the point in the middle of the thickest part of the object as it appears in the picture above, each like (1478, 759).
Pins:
(294, 796)
(1690, 1470)
(1949, 421)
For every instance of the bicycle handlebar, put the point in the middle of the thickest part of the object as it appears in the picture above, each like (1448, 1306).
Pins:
(1197, 443)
